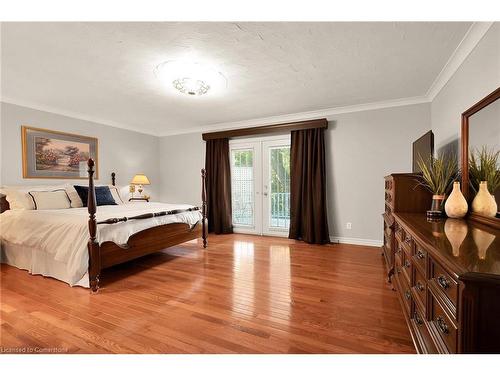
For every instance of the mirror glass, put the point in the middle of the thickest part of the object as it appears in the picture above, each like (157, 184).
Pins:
(484, 130)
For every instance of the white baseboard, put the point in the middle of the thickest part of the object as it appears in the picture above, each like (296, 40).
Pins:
(356, 241)
(333, 239)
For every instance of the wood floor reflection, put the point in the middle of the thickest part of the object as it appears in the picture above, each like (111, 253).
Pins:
(244, 294)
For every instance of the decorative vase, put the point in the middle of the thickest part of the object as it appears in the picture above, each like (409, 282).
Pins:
(456, 205)
(484, 203)
(456, 231)
(436, 206)
(483, 240)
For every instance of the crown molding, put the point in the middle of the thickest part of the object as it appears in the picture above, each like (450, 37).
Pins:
(470, 40)
(301, 116)
(75, 115)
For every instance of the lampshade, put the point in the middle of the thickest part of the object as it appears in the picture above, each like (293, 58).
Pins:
(140, 179)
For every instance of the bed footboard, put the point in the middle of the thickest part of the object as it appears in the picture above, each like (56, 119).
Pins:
(142, 243)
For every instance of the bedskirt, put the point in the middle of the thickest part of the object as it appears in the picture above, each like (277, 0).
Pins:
(37, 262)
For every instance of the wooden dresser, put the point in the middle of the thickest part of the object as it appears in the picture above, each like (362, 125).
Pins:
(447, 276)
(403, 193)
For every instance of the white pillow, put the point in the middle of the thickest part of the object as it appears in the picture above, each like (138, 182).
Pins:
(50, 200)
(124, 192)
(18, 196)
(73, 196)
(18, 200)
(115, 192)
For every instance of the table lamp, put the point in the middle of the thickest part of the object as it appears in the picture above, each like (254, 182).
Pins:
(140, 179)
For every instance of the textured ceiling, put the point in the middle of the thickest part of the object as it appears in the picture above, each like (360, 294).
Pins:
(105, 70)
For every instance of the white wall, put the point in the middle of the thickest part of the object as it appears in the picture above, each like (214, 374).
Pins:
(122, 151)
(362, 147)
(181, 159)
(478, 75)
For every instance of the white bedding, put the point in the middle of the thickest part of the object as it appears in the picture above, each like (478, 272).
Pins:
(63, 234)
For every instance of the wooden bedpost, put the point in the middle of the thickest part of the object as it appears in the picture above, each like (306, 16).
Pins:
(204, 207)
(93, 246)
(113, 178)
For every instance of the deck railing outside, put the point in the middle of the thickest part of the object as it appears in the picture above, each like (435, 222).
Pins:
(280, 210)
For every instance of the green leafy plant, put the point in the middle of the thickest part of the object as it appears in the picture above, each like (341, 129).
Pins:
(484, 166)
(438, 173)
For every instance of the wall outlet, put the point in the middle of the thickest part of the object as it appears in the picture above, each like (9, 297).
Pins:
(348, 226)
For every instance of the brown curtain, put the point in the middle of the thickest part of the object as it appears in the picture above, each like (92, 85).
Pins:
(218, 186)
(308, 218)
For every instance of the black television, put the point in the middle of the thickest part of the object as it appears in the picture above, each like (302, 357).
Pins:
(424, 146)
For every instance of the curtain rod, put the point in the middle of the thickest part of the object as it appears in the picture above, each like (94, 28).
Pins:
(266, 129)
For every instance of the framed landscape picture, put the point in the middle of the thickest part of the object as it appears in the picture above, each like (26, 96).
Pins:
(53, 154)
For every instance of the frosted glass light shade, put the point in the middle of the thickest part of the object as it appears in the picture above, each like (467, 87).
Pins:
(140, 179)
(191, 78)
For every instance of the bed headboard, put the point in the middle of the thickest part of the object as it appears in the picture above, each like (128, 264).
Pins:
(4, 205)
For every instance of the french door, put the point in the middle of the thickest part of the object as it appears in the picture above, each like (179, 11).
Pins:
(260, 185)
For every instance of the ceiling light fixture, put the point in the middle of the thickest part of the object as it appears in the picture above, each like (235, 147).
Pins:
(190, 78)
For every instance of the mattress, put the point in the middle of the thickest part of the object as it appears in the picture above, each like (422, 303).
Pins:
(62, 235)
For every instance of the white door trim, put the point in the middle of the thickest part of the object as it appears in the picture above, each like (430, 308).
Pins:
(267, 145)
(256, 228)
(259, 145)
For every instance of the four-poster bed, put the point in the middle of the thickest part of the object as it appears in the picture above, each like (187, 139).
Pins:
(115, 234)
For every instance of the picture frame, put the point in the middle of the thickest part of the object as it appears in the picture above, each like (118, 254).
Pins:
(54, 154)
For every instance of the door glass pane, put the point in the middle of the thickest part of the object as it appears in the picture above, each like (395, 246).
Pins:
(279, 160)
(242, 187)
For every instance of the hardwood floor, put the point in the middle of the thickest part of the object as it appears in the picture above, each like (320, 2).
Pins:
(243, 294)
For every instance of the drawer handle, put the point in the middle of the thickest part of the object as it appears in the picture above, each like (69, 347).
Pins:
(407, 294)
(407, 264)
(419, 286)
(418, 320)
(399, 248)
(408, 239)
(443, 327)
(420, 254)
(443, 282)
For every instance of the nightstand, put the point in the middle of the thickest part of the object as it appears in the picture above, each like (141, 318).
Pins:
(139, 199)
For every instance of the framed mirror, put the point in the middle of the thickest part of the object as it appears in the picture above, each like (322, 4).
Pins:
(480, 128)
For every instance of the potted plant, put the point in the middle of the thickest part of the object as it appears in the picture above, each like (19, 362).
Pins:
(438, 175)
(484, 177)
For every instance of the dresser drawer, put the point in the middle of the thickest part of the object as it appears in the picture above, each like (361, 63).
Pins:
(388, 196)
(387, 244)
(388, 209)
(387, 231)
(404, 241)
(406, 267)
(419, 288)
(405, 292)
(420, 258)
(398, 231)
(388, 183)
(425, 343)
(408, 241)
(443, 325)
(398, 262)
(398, 248)
(445, 285)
